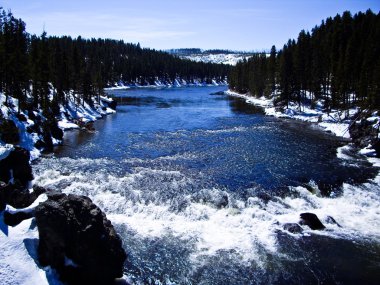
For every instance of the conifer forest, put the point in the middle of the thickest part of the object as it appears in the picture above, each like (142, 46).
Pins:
(338, 62)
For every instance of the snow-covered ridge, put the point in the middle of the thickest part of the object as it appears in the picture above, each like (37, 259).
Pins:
(212, 56)
(224, 58)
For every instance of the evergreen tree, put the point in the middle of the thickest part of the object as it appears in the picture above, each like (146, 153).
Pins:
(338, 63)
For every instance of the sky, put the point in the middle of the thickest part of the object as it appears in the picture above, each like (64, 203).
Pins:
(164, 24)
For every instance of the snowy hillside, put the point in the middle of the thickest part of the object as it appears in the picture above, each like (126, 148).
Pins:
(217, 56)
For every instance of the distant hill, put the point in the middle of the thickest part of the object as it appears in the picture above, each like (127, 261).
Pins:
(211, 56)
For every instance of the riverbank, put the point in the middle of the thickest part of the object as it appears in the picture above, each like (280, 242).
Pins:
(167, 84)
(19, 261)
(27, 127)
(334, 122)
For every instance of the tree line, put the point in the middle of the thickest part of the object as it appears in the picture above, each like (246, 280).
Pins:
(338, 63)
(31, 67)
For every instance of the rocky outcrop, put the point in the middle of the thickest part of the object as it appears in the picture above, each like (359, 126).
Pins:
(9, 132)
(15, 174)
(112, 104)
(18, 196)
(48, 131)
(311, 220)
(13, 219)
(293, 228)
(331, 220)
(75, 237)
(16, 166)
(363, 134)
(77, 240)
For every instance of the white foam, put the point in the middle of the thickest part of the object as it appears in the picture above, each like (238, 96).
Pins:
(137, 200)
(230, 130)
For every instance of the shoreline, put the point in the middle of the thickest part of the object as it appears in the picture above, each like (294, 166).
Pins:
(71, 116)
(329, 123)
(176, 84)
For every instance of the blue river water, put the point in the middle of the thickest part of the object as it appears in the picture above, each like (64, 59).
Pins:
(200, 185)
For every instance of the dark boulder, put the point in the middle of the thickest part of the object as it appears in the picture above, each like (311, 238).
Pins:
(21, 117)
(331, 220)
(9, 132)
(13, 219)
(312, 221)
(376, 147)
(112, 104)
(18, 196)
(3, 196)
(218, 199)
(50, 130)
(327, 188)
(293, 228)
(56, 132)
(78, 240)
(18, 162)
(221, 201)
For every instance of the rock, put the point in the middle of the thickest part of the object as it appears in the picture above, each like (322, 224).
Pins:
(331, 220)
(46, 137)
(21, 117)
(312, 221)
(363, 133)
(18, 196)
(3, 199)
(112, 104)
(16, 164)
(293, 228)
(326, 189)
(376, 147)
(218, 199)
(218, 93)
(13, 219)
(89, 126)
(221, 201)
(56, 132)
(72, 228)
(9, 132)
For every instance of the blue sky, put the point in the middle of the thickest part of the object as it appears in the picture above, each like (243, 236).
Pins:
(164, 24)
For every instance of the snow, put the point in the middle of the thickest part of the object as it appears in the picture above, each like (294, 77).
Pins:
(224, 58)
(18, 254)
(368, 151)
(329, 122)
(66, 125)
(178, 82)
(18, 263)
(69, 114)
(5, 150)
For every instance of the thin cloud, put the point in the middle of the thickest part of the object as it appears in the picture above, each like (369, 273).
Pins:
(110, 26)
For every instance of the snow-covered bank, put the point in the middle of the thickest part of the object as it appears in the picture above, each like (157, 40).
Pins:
(334, 122)
(168, 84)
(18, 254)
(18, 264)
(73, 115)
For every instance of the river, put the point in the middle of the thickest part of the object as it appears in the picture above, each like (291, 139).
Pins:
(199, 187)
